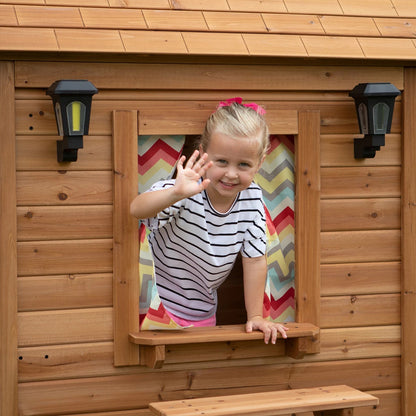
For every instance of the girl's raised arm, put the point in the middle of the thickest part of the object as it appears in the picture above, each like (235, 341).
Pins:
(149, 204)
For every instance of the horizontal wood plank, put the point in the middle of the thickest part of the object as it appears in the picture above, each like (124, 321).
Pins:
(64, 187)
(389, 402)
(391, 48)
(289, 23)
(360, 310)
(175, 19)
(152, 41)
(97, 3)
(368, 8)
(95, 359)
(26, 39)
(274, 45)
(360, 214)
(394, 27)
(330, 46)
(349, 25)
(97, 394)
(188, 117)
(320, 7)
(8, 16)
(152, 120)
(88, 40)
(39, 153)
(268, 403)
(111, 18)
(48, 16)
(235, 22)
(227, 77)
(49, 362)
(64, 222)
(255, 5)
(358, 343)
(216, 334)
(159, 4)
(336, 344)
(64, 257)
(194, 95)
(360, 278)
(361, 182)
(134, 412)
(65, 326)
(36, 293)
(338, 150)
(360, 246)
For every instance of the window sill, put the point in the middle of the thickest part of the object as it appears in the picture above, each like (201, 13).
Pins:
(302, 338)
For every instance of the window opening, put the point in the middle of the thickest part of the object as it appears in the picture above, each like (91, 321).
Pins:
(157, 156)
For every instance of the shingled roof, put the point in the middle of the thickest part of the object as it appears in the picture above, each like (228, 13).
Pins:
(362, 29)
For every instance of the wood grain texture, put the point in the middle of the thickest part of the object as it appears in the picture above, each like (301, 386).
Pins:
(360, 278)
(64, 291)
(130, 391)
(63, 326)
(226, 77)
(268, 403)
(360, 310)
(39, 153)
(64, 222)
(307, 213)
(360, 246)
(8, 257)
(360, 252)
(408, 242)
(64, 188)
(360, 214)
(64, 256)
(125, 237)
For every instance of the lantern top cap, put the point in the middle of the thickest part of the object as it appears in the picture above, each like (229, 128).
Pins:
(71, 86)
(374, 89)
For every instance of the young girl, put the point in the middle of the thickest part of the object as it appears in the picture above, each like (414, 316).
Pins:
(211, 212)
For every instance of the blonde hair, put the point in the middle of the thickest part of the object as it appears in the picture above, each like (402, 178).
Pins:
(237, 121)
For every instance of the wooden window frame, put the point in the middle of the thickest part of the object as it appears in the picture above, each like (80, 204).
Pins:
(148, 348)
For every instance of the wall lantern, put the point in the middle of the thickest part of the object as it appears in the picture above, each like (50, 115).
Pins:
(72, 104)
(374, 103)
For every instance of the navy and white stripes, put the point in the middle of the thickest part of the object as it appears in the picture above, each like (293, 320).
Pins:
(195, 247)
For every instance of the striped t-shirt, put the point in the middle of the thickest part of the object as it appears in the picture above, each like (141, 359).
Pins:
(194, 248)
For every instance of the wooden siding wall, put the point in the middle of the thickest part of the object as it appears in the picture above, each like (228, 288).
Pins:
(64, 250)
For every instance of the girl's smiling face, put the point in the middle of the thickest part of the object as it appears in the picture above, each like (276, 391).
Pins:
(235, 162)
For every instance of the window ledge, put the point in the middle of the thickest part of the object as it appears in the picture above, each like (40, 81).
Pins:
(302, 338)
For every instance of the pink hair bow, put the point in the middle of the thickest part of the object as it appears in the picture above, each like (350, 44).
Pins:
(257, 108)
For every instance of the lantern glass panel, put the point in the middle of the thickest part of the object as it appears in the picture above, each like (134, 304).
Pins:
(76, 111)
(363, 116)
(380, 118)
(58, 116)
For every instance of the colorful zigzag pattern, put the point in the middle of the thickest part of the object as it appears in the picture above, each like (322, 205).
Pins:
(276, 178)
(157, 157)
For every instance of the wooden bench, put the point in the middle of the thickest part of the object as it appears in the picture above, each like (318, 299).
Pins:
(322, 401)
(302, 338)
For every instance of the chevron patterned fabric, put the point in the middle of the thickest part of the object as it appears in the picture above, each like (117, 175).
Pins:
(276, 178)
(157, 158)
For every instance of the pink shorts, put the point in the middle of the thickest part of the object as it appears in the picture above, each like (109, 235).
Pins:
(185, 322)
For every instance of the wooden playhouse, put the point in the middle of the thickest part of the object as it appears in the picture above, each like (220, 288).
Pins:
(68, 266)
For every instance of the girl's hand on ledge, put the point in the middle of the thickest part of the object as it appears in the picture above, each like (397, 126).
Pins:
(270, 329)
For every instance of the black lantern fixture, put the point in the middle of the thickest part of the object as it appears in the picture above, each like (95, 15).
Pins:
(374, 103)
(72, 104)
